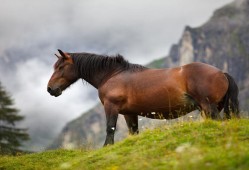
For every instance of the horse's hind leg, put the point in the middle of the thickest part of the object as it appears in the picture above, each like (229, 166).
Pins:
(132, 123)
(226, 112)
(215, 112)
(210, 110)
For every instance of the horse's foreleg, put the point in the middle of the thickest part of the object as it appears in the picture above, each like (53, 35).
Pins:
(111, 121)
(132, 123)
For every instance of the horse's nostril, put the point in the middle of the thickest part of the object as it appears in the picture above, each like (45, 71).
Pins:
(49, 89)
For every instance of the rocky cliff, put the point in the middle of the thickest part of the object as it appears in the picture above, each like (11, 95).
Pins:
(223, 41)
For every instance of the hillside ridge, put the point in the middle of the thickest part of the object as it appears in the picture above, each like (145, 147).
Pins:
(185, 145)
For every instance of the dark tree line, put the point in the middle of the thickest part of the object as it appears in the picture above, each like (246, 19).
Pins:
(11, 136)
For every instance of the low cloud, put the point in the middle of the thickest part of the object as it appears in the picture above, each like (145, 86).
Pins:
(142, 30)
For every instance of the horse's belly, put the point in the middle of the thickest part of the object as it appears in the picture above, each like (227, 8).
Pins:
(162, 108)
(173, 113)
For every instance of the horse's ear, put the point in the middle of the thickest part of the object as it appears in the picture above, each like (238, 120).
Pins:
(63, 55)
(57, 56)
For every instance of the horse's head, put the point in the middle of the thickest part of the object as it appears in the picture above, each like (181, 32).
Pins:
(64, 74)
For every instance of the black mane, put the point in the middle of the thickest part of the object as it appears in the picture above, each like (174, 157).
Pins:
(90, 64)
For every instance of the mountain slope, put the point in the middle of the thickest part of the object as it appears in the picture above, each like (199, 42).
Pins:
(186, 145)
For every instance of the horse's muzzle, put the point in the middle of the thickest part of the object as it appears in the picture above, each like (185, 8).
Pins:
(54, 92)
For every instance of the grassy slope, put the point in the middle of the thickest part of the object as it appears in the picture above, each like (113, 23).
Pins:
(195, 145)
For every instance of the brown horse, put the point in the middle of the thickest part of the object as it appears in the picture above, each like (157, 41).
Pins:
(133, 90)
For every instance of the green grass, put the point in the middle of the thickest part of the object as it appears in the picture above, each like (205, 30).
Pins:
(156, 63)
(191, 145)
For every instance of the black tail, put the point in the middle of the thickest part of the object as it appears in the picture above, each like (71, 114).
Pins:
(231, 102)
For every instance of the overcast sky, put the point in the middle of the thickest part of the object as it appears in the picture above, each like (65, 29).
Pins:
(32, 30)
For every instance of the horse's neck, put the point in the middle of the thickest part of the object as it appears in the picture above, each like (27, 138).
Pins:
(96, 78)
(95, 72)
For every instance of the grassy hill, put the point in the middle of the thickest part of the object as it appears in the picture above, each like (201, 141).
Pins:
(186, 145)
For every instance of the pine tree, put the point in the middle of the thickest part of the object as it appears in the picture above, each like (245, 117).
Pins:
(10, 136)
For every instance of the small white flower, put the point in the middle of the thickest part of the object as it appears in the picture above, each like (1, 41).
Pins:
(183, 147)
(65, 165)
(113, 128)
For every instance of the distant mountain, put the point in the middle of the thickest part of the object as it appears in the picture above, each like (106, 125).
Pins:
(223, 41)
